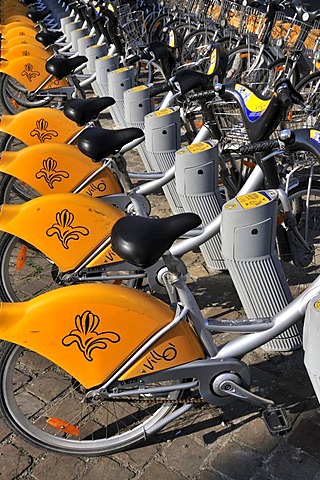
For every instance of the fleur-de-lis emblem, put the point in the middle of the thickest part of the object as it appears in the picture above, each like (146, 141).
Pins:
(49, 172)
(41, 131)
(29, 72)
(86, 337)
(64, 230)
(25, 53)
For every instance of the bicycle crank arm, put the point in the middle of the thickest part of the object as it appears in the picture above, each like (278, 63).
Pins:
(226, 385)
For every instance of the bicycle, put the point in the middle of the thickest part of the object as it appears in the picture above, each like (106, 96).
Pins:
(127, 361)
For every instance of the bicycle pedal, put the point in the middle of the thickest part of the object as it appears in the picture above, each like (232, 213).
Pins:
(276, 420)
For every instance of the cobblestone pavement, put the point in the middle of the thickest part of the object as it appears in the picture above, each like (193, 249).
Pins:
(208, 443)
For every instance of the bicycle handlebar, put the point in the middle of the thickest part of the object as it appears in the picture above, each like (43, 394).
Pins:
(263, 146)
(206, 95)
(158, 89)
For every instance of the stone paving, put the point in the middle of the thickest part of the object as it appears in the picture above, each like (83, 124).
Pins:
(208, 443)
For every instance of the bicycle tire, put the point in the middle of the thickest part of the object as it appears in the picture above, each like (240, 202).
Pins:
(11, 143)
(278, 70)
(309, 88)
(12, 191)
(14, 99)
(308, 223)
(195, 47)
(241, 62)
(129, 420)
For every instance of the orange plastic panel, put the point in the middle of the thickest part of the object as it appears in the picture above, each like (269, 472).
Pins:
(58, 168)
(177, 347)
(19, 40)
(20, 31)
(88, 330)
(30, 72)
(40, 125)
(69, 227)
(24, 50)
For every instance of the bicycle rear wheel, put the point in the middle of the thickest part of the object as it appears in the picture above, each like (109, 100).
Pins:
(12, 191)
(100, 427)
(26, 272)
(15, 97)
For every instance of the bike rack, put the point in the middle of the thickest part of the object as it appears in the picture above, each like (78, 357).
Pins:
(103, 66)
(162, 133)
(76, 35)
(85, 42)
(311, 342)
(248, 231)
(119, 81)
(92, 53)
(137, 104)
(197, 186)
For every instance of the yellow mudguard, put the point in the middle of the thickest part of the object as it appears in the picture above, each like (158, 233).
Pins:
(20, 31)
(24, 50)
(19, 40)
(59, 168)
(31, 73)
(66, 227)
(15, 20)
(91, 330)
(39, 125)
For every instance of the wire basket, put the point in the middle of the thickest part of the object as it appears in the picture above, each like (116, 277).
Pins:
(214, 10)
(124, 14)
(289, 32)
(231, 14)
(135, 29)
(253, 21)
(230, 124)
(312, 42)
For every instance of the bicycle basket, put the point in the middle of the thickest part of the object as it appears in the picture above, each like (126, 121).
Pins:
(312, 42)
(134, 29)
(214, 10)
(253, 21)
(229, 122)
(289, 32)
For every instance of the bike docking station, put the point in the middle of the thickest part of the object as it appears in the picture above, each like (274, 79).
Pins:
(103, 66)
(163, 139)
(94, 52)
(119, 81)
(85, 42)
(248, 232)
(137, 104)
(311, 342)
(76, 35)
(196, 175)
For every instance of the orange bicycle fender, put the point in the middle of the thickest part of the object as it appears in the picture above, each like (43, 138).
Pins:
(89, 330)
(31, 73)
(20, 31)
(24, 50)
(40, 125)
(59, 168)
(67, 228)
(19, 40)
(15, 20)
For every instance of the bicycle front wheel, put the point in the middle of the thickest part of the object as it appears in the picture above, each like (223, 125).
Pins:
(309, 88)
(305, 204)
(100, 427)
(248, 64)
